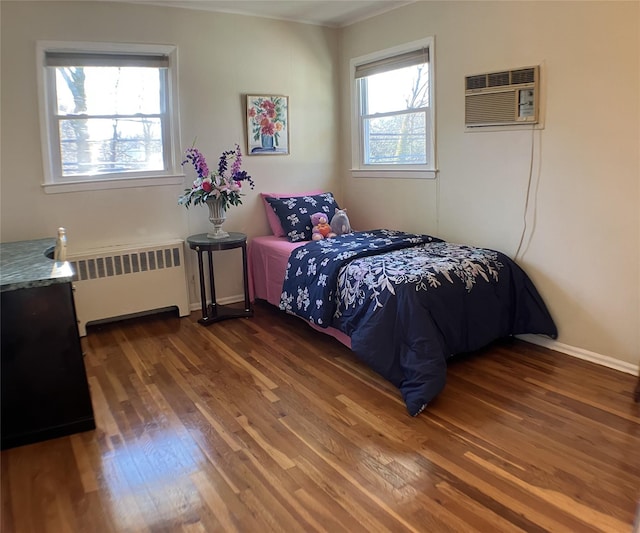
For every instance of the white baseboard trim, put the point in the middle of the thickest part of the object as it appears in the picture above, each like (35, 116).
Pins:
(580, 353)
(197, 306)
(586, 355)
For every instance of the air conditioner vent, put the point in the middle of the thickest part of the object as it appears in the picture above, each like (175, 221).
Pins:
(476, 82)
(502, 98)
(526, 75)
(494, 108)
(498, 79)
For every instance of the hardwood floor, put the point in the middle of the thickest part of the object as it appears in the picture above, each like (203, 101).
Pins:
(263, 424)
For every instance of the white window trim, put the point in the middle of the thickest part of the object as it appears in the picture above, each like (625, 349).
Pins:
(111, 183)
(173, 175)
(358, 168)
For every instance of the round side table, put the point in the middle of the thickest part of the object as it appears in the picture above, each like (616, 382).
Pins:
(203, 244)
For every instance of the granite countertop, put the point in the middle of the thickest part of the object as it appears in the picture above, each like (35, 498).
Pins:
(23, 264)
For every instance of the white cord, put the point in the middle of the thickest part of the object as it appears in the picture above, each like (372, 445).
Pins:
(438, 204)
(526, 203)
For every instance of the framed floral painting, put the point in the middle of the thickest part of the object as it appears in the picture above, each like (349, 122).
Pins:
(267, 125)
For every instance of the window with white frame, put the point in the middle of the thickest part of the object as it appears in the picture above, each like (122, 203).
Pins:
(393, 112)
(108, 115)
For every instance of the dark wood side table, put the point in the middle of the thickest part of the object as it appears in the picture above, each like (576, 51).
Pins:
(201, 244)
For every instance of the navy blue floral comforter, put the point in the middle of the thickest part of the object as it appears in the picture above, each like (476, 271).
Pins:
(410, 301)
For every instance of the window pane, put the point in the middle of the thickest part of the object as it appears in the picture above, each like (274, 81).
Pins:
(396, 140)
(396, 90)
(102, 146)
(108, 90)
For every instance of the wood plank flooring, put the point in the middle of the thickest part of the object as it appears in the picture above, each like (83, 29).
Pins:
(263, 424)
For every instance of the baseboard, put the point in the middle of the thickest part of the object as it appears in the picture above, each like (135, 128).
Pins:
(197, 306)
(604, 360)
(586, 355)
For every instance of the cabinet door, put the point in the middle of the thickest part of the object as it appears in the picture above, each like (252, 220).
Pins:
(43, 381)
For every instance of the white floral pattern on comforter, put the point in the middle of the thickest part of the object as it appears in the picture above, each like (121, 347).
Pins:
(425, 266)
(409, 301)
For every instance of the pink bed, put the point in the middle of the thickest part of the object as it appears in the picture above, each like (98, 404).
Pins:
(268, 257)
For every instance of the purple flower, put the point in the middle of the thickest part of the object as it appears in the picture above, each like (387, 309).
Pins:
(235, 168)
(195, 157)
(225, 183)
(224, 161)
(241, 176)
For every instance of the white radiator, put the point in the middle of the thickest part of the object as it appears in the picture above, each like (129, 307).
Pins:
(119, 281)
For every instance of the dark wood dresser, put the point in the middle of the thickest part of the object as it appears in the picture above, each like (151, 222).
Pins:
(43, 383)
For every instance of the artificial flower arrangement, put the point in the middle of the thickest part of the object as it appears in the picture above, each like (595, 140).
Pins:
(223, 184)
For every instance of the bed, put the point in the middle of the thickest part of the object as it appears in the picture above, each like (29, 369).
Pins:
(404, 303)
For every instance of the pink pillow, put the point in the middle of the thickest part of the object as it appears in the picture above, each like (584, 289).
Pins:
(274, 221)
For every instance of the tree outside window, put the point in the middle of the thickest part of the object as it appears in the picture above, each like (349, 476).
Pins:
(393, 96)
(109, 113)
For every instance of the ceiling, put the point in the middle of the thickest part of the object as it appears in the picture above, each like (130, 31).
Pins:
(333, 13)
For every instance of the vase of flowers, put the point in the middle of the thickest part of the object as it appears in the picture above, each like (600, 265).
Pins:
(217, 189)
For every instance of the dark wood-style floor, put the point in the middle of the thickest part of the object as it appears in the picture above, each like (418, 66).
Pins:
(263, 424)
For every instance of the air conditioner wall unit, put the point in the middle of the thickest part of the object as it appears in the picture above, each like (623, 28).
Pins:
(504, 98)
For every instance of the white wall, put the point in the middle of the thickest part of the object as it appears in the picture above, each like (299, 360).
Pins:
(221, 57)
(582, 245)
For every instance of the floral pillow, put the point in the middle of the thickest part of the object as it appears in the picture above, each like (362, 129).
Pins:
(272, 218)
(295, 213)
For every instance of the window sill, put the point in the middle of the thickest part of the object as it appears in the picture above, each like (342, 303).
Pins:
(392, 173)
(112, 183)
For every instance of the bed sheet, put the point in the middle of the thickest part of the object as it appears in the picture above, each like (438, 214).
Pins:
(267, 258)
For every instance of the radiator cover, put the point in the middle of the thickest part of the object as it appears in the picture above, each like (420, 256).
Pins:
(119, 281)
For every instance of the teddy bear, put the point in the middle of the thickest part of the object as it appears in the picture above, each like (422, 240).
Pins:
(340, 222)
(321, 228)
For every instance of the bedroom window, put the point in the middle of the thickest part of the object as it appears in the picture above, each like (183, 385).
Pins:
(393, 112)
(108, 118)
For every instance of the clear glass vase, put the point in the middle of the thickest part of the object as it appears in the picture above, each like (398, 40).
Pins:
(217, 216)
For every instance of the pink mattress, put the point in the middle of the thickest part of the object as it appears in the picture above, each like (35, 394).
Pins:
(268, 257)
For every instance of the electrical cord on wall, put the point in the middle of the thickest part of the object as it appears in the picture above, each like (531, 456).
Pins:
(438, 205)
(527, 197)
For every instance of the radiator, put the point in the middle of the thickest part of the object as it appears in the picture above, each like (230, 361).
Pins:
(120, 281)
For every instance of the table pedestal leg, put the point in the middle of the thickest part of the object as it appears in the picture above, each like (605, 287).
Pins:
(203, 294)
(245, 274)
(212, 287)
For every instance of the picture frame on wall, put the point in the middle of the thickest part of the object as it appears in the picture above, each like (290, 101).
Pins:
(267, 125)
